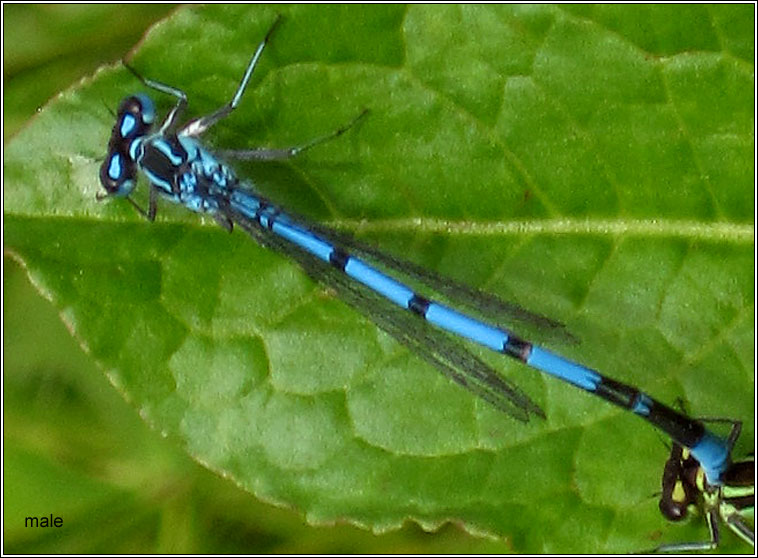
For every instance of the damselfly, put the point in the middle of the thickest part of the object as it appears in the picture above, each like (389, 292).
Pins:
(685, 490)
(181, 170)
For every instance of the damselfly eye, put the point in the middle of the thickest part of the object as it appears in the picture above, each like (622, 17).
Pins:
(135, 116)
(117, 175)
(673, 510)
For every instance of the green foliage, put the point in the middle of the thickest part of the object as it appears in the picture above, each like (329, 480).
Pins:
(593, 163)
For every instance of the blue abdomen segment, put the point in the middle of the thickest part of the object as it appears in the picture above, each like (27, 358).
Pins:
(269, 217)
(564, 369)
(379, 282)
(713, 454)
(469, 328)
(307, 241)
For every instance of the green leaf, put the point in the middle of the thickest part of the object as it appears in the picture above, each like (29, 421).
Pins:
(594, 164)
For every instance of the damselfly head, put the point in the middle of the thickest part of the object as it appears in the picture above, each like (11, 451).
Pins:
(134, 118)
